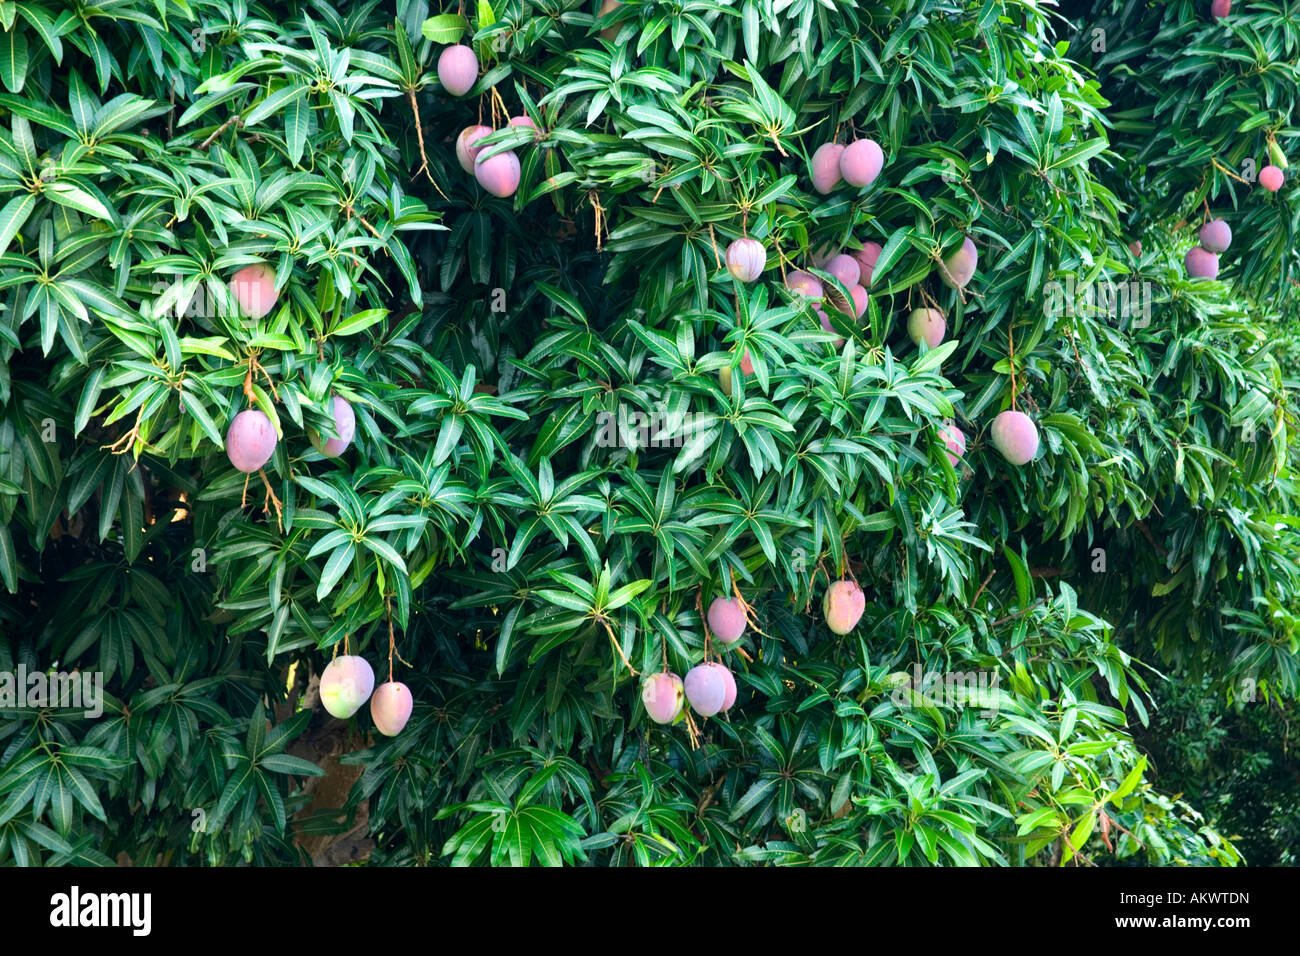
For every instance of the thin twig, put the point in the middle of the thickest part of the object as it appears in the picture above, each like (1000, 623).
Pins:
(713, 241)
(1224, 169)
(236, 119)
(618, 647)
(1011, 360)
(1141, 526)
(983, 584)
(1021, 613)
(419, 136)
(271, 499)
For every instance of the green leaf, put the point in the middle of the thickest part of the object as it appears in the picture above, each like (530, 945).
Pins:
(13, 60)
(337, 566)
(297, 121)
(1079, 154)
(14, 216)
(274, 102)
(236, 787)
(284, 763)
(753, 796)
(8, 560)
(1082, 830)
(84, 793)
(386, 551)
(935, 357)
(89, 399)
(1131, 780)
(1020, 571)
(444, 28)
(74, 197)
(48, 28)
(359, 322)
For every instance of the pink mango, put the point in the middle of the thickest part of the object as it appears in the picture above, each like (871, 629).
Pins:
(1016, 436)
(805, 284)
(250, 440)
(926, 325)
(1216, 236)
(729, 680)
(498, 174)
(826, 167)
(1201, 264)
(861, 162)
(390, 707)
(746, 259)
(705, 689)
(457, 69)
(345, 685)
(954, 440)
(726, 619)
(859, 300)
(843, 605)
(345, 426)
(845, 268)
(663, 695)
(867, 258)
(957, 270)
(254, 289)
(465, 151)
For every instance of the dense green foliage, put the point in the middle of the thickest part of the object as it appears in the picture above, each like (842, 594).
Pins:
(1241, 758)
(1193, 105)
(525, 552)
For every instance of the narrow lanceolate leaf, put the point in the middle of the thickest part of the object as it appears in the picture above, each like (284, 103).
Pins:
(1079, 154)
(386, 551)
(337, 566)
(74, 197)
(49, 29)
(359, 322)
(284, 763)
(297, 121)
(14, 216)
(275, 102)
(236, 786)
(13, 60)
(756, 793)
(90, 393)
(84, 793)
(194, 406)
(1130, 782)
(8, 560)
